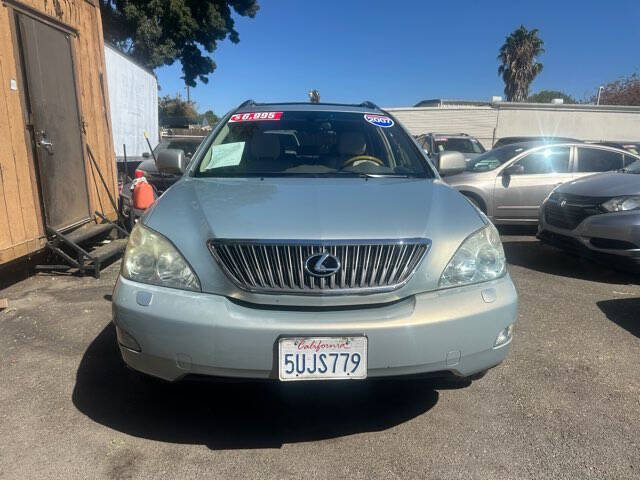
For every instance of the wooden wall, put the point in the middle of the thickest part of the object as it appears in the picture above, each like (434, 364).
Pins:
(21, 222)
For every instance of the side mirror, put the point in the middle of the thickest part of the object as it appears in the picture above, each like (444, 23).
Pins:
(146, 155)
(171, 161)
(451, 163)
(515, 169)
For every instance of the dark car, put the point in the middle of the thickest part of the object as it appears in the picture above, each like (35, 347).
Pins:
(517, 140)
(597, 217)
(159, 180)
(147, 168)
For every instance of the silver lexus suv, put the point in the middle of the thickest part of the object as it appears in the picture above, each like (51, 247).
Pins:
(312, 242)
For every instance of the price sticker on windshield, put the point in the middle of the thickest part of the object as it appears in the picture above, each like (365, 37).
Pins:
(254, 116)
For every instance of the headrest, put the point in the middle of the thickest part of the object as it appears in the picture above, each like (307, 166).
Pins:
(265, 146)
(352, 143)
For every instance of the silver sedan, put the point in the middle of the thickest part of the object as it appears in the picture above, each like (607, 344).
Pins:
(510, 183)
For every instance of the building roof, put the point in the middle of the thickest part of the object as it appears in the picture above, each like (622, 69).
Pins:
(431, 103)
(441, 102)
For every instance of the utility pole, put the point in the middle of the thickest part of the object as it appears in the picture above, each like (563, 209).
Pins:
(600, 89)
(188, 95)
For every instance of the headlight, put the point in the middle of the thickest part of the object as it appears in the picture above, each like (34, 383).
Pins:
(617, 204)
(152, 259)
(480, 258)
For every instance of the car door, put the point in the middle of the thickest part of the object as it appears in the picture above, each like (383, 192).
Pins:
(591, 160)
(522, 186)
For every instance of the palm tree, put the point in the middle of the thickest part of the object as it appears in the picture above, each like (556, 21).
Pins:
(518, 66)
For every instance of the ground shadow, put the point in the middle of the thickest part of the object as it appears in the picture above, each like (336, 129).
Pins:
(240, 414)
(624, 312)
(532, 254)
(517, 229)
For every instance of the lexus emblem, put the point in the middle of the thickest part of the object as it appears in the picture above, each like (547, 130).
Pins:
(322, 265)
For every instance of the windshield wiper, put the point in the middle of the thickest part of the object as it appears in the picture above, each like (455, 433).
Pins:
(366, 175)
(393, 176)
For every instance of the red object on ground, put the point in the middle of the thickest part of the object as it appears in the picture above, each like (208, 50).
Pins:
(143, 195)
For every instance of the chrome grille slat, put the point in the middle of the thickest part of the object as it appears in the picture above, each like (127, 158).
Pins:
(279, 266)
(247, 270)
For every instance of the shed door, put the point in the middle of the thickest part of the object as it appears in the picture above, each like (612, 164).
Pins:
(51, 97)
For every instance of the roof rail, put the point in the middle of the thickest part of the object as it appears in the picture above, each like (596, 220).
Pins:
(245, 103)
(369, 104)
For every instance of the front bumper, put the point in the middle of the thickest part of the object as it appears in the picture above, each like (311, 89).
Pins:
(609, 238)
(184, 333)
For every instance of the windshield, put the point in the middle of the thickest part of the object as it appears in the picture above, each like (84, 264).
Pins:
(494, 158)
(311, 144)
(465, 146)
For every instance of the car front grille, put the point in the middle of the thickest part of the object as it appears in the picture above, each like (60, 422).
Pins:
(568, 211)
(279, 266)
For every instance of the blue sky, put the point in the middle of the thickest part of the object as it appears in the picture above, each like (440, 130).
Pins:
(397, 53)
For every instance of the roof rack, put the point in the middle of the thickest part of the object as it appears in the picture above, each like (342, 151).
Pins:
(245, 103)
(369, 104)
(365, 104)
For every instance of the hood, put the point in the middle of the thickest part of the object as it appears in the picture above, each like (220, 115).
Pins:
(196, 210)
(606, 184)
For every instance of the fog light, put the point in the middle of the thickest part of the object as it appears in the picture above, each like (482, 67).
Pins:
(504, 336)
(125, 339)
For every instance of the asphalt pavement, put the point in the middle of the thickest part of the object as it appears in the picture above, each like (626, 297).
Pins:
(565, 404)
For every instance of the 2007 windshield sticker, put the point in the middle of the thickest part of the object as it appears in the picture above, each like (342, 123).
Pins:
(253, 116)
(379, 120)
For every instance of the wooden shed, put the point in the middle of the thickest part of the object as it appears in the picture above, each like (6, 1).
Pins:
(57, 163)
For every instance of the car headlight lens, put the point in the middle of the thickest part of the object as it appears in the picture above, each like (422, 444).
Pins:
(480, 258)
(152, 259)
(618, 204)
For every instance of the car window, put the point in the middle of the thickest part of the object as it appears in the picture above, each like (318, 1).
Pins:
(494, 158)
(301, 143)
(188, 146)
(598, 160)
(465, 146)
(423, 141)
(629, 159)
(546, 161)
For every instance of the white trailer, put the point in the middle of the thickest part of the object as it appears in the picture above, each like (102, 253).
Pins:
(133, 99)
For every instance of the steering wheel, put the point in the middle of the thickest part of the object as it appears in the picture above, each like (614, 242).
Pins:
(364, 158)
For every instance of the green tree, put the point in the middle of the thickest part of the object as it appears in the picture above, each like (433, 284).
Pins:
(546, 96)
(518, 62)
(176, 112)
(159, 32)
(211, 118)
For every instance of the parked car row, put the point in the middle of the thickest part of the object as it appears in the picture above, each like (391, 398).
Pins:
(584, 197)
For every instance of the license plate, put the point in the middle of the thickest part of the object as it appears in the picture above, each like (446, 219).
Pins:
(314, 358)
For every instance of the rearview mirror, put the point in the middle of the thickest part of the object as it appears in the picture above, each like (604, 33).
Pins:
(171, 161)
(451, 163)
